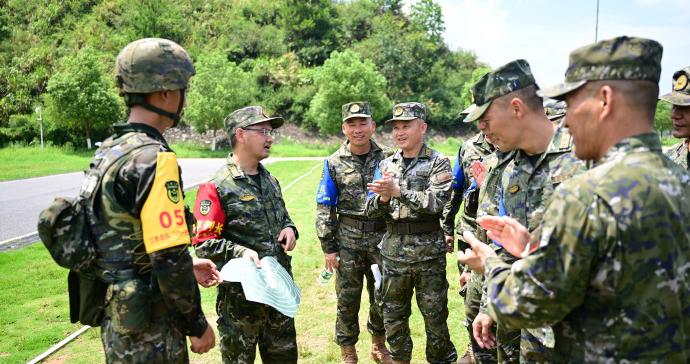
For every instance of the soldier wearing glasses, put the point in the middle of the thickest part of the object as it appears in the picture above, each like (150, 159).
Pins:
(241, 213)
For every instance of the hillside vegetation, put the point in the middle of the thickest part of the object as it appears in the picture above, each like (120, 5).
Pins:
(300, 59)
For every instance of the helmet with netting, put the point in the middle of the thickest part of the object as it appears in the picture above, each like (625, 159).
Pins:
(153, 64)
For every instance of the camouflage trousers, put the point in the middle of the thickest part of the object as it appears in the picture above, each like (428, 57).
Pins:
(428, 280)
(354, 266)
(507, 345)
(472, 302)
(507, 340)
(532, 350)
(160, 342)
(243, 324)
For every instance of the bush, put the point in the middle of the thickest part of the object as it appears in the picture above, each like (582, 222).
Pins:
(344, 78)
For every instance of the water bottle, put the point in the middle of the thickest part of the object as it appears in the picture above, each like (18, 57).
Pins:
(324, 277)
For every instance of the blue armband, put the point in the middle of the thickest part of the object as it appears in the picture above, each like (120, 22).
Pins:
(327, 194)
(501, 211)
(458, 173)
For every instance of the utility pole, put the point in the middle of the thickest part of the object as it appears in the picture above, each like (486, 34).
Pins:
(40, 122)
(596, 25)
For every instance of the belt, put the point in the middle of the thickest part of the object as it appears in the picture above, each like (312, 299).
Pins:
(409, 228)
(363, 225)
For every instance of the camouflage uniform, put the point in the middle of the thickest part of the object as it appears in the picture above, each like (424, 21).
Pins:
(487, 205)
(413, 247)
(679, 153)
(342, 226)
(234, 213)
(465, 190)
(680, 97)
(464, 187)
(610, 271)
(153, 298)
(524, 190)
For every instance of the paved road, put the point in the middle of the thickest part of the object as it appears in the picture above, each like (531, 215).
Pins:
(22, 200)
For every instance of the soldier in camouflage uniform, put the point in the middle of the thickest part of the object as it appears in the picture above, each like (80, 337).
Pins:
(465, 191)
(349, 239)
(409, 191)
(607, 267)
(241, 213)
(142, 234)
(679, 97)
(514, 117)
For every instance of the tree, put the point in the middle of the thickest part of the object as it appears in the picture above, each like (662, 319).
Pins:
(428, 16)
(218, 88)
(310, 29)
(343, 78)
(81, 97)
(662, 117)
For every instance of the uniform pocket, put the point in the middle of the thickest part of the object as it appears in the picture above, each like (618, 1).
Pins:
(130, 306)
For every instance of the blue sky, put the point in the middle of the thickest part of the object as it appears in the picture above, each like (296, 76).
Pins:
(544, 32)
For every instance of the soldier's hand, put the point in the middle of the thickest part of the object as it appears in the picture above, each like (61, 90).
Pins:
(465, 278)
(385, 187)
(204, 343)
(478, 171)
(449, 243)
(287, 239)
(481, 330)
(331, 261)
(475, 257)
(253, 256)
(206, 273)
(512, 235)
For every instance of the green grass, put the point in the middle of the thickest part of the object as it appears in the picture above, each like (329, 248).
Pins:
(33, 302)
(24, 161)
(449, 147)
(19, 161)
(669, 141)
(282, 148)
(315, 320)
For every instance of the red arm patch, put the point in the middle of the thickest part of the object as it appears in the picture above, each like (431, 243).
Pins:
(209, 214)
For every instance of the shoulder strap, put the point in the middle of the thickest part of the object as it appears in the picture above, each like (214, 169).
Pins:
(107, 156)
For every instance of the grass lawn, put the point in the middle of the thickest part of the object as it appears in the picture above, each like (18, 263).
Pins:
(35, 316)
(449, 147)
(282, 148)
(29, 161)
(24, 162)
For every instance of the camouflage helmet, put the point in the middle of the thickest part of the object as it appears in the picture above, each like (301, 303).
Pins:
(152, 64)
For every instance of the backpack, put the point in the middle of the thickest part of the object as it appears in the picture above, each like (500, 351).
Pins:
(66, 225)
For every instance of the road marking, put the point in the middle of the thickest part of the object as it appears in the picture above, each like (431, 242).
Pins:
(57, 346)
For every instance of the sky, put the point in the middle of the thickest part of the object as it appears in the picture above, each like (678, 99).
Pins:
(544, 32)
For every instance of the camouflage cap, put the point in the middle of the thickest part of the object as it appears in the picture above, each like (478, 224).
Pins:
(620, 58)
(680, 94)
(510, 77)
(357, 109)
(152, 64)
(406, 111)
(463, 114)
(250, 115)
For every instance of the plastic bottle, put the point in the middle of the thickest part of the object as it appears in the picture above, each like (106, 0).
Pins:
(324, 277)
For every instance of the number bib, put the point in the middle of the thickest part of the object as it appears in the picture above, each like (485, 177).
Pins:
(162, 217)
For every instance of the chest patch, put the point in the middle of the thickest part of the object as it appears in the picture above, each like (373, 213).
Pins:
(514, 189)
(247, 197)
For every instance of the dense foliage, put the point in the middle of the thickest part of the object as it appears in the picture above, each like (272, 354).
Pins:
(271, 53)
